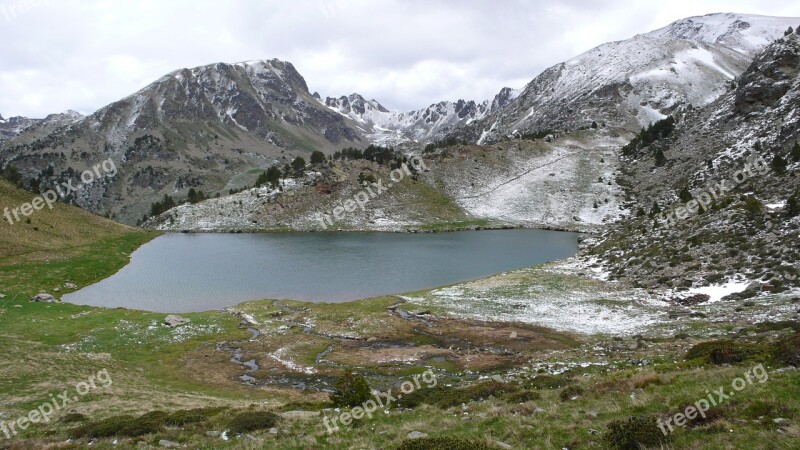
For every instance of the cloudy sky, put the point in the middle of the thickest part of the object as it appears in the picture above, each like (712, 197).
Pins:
(83, 54)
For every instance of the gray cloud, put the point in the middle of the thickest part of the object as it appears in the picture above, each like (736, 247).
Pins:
(84, 54)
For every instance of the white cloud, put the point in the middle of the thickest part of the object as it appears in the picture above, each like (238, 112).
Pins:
(84, 54)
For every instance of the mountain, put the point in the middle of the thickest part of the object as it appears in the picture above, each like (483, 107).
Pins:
(738, 158)
(15, 125)
(421, 126)
(628, 84)
(202, 128)
(215, 128)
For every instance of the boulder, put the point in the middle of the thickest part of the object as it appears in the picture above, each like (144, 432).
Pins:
(692, 299)
(416, 435)
(175, 321)
(43, 297)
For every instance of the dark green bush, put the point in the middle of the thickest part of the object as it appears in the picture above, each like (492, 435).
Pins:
(350, 390)
(73, 418)
(569, 392)
(723, 352)
(442, 443)
(523, 396)
(787, 350)
(634, 433)
(127, 426)
(190, 416)
(252, 421)
(446, 397)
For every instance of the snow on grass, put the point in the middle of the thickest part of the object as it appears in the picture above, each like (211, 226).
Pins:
(549, 296)
(716, 292)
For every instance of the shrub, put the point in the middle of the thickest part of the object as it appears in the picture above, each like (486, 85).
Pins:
(722, 352)
(446, 397)
(442, 443)
(523, 396)
(569, 392)
(190, 416)
(127, 426)
(73, 418)
(634, 433)
(252, 421)
(350, 390)
(787, 350)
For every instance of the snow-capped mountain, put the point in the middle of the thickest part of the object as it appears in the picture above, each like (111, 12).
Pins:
(421, 126)
(631, 83)
(192, 128)
(752, 129)
(15, 125)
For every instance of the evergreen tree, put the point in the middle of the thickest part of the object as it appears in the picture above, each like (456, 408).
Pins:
(273, 176)
(793, 205)
(350, 390)
(796, 150)
(192, 196)
(779, 165)
(655, 209)
(594, 125)
(261, 180)
(299, 164)
(789, 31)
(317, 157)
(660, 158)
(685, 195)
(640, 212)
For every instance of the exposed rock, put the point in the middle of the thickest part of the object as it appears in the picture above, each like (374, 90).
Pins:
(502, 444)
(176, 321)
(168, 444)
(43, 297)
(70, 285)
(416, 435)
(692, 299)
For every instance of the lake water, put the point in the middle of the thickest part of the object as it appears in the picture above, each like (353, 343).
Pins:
(200, 272)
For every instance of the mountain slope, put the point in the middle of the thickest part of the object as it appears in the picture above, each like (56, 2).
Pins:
(200, 128)
(628, 84)
(739, 157)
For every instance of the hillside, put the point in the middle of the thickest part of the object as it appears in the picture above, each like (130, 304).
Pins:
(49, 231)
(193, 128)
(749, 227)
(628, 84)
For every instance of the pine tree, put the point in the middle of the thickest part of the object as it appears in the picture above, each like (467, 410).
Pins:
(660, 158)
(796, 151)
(779, 165)
(789, 31)
(685, 195)
(655, 209)
(317, 157)
(793, 205)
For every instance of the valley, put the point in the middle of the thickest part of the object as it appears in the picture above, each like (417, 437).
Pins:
(264, 263)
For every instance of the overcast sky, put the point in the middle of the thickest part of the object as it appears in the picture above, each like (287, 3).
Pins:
(83, 54)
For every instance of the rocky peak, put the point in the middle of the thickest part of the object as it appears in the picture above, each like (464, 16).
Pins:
(770, 76)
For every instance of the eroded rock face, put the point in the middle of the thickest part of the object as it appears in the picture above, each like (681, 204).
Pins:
(770, 76)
